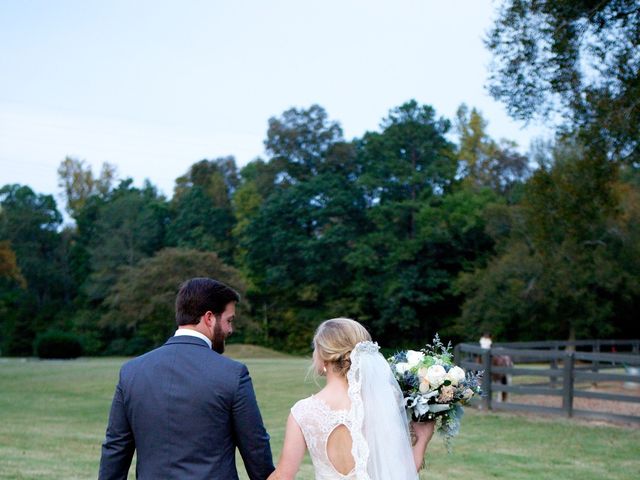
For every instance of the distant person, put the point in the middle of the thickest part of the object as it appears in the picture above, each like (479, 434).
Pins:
(183, 406)
(356, 426)
(485, 341)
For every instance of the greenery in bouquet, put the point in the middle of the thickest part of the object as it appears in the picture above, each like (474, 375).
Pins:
(433, 387)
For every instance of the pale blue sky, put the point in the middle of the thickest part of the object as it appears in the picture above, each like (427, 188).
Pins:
(154, 86)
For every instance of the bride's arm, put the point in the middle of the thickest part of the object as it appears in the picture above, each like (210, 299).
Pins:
(292, 452)
(424, 432)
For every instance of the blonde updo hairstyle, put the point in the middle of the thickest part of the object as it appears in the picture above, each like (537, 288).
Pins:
(333, 342)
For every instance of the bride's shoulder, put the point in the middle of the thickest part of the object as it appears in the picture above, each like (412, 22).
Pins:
(303, 407)
(305, 402)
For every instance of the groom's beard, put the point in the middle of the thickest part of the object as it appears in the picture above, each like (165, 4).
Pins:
(217, 343)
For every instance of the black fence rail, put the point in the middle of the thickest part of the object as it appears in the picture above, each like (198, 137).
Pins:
(563, 370)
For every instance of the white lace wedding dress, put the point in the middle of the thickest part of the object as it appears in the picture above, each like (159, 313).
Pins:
(381, 446)
(317, 422)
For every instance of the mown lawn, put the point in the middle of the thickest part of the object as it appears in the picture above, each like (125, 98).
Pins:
(53, 416)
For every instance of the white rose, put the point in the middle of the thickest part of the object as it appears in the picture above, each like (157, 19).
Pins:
(402, 367)
(414, 358)
(436, 374)
(452, 378)
(457, 373)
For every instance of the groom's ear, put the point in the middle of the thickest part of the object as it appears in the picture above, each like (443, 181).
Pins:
(208, 318)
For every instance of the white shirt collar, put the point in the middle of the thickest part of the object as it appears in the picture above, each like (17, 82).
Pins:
(192, 333)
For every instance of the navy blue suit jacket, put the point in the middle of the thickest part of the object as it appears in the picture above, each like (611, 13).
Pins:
(185, 409)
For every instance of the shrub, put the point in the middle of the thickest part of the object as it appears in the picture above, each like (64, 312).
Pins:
(137, 346)
(58, 344)
(129, 346)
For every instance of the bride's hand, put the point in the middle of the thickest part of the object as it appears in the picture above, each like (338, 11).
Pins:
(423, 430)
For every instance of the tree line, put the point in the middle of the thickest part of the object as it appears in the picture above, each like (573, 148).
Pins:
(426, 225)
(402, 228)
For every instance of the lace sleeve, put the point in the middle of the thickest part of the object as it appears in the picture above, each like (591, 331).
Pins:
(299, 411)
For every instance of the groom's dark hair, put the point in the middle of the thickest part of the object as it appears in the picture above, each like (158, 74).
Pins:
(200, 295)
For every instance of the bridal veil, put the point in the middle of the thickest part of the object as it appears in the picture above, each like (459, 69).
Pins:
(381, 444)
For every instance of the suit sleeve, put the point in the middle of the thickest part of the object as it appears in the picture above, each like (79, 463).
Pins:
(119, 445)
(249, 432)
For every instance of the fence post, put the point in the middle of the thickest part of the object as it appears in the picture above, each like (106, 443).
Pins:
(596, 349)
(596, 363)
(486, 380)
(635, 347)
(456, 354)
(567, 385)
(554, 364)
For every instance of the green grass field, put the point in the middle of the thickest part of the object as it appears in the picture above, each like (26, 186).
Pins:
(53, 416)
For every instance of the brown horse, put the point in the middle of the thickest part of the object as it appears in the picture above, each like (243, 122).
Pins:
(503, 378)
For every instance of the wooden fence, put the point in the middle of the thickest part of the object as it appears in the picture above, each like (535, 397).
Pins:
(564, 366)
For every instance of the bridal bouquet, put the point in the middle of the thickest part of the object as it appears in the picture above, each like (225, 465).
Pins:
(433, 387)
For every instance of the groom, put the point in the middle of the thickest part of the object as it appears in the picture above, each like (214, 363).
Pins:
(183, 406)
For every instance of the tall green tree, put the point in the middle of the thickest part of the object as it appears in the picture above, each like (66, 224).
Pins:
(565, 267)
(298, 142)
(140, 307)
(257, 182)
(574, 60)
(78, 182)
(125, 227)
(483, 161)
(402, 169)
(29, 223)
(302, 212)
(201, 209)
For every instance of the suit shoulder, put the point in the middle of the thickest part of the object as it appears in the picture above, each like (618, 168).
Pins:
(134, 363)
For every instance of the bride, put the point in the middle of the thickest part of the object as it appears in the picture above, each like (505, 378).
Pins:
(355, 427)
